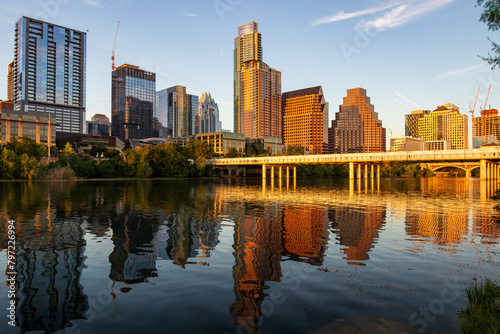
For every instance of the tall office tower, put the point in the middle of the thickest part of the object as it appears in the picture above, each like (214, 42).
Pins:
(373, 134)
(257, 88)
(177, 111)
(10, 82)
(49, 72)
(445, 123)
(192, 112)
(162, 112)
(208, 115)
(305, 119)
(411, 122)
(99, 125)
(133, 96)
(346, 134)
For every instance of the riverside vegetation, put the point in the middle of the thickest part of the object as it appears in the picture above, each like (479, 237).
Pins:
(24, 159)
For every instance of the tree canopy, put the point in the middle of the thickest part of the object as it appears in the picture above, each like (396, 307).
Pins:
(491, 16)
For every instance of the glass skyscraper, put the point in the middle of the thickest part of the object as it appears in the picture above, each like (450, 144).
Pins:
(162, 112)
(133, 96)
(208, 115)
(49, 72)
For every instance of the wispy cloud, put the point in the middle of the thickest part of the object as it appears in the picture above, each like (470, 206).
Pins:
(402, 103)
(402, 14)
(397, 13)
(95, 3)
(460, 71)
(340, 16)
(408, 100)
(190, 14)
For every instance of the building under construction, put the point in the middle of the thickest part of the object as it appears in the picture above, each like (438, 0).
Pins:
(486, 129)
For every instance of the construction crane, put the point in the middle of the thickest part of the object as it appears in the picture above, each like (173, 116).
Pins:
(114, 48)
(471, 110)
(483, 116)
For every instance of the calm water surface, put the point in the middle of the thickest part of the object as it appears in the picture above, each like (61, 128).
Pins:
(229, 256)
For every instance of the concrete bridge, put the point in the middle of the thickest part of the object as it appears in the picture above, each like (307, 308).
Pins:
(367, 165)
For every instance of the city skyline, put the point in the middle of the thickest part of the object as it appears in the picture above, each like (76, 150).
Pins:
(416, 56)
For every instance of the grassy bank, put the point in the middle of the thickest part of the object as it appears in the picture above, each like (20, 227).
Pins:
(482, 314)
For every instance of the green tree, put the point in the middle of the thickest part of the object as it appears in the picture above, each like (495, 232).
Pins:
(110, 168)
(133, 158)
(294, 150)
(198, 151)
(8, 164)
(68, 149)
(167, 161)
(84, 166)
(491, 16)
(232, 153)
(29, 167)
(29, 146)
(98, 149)
(256, 149)
(144, 170)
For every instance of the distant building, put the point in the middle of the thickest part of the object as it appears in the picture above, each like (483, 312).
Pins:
(438, 145)
(407, 144)
(257, 88)
(7, 105)
(84, 142)
(221, 142)
(177, 111)
(305, 119)
(445, 124)
(478, 142)
(34, 125)
(162, 113)
(411, 122)
(133, 96)
(208, 115)
(99, 125)
(49, 72)
(10, 81)
(271, 144)
(359, 114)
(487, 125)
(192, 112)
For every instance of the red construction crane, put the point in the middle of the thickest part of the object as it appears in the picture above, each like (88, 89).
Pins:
(114, 48)
(472, 112)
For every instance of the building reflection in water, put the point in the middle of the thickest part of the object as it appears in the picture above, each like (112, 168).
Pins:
(49, 265)
(357, 230)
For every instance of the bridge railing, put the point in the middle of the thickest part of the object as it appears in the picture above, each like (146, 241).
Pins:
(379, 157)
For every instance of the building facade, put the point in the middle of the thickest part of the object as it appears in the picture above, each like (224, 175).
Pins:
(10, 81)
(133, 96)
(208, 115)
(38, 126)
(445, 123)
(407, 144)
(177, 111)
(486, 129)
(305, 120)
(411, 122)
(49, 72)
(257, 87)
(192, 112)
(162, 113)
(356, 128)
(221, 141)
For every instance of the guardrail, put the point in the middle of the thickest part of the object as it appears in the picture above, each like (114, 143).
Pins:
(382, 157)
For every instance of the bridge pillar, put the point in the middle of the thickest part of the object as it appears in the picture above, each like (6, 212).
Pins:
(484, 170)
(272, 172)
(287, 172)
(468, 174)
(366, 171)
(351, 170)
(378, 171)
(372, 172)
(359, 171)
(280, 172)
(264, 171)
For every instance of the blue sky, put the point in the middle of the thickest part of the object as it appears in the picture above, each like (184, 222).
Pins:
(408, 55)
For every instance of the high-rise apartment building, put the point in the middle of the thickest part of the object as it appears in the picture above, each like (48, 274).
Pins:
(411, 122)
(192, 112)
(356, 127)
(177, 111)
(49, 72)
(257, 88)
(10, 81)
(162, 112)
(445, 123)
(133, 96)
(305, 119)
(486, 126)
(208, 115)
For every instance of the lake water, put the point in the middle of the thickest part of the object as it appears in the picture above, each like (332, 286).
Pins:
(231, 256)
